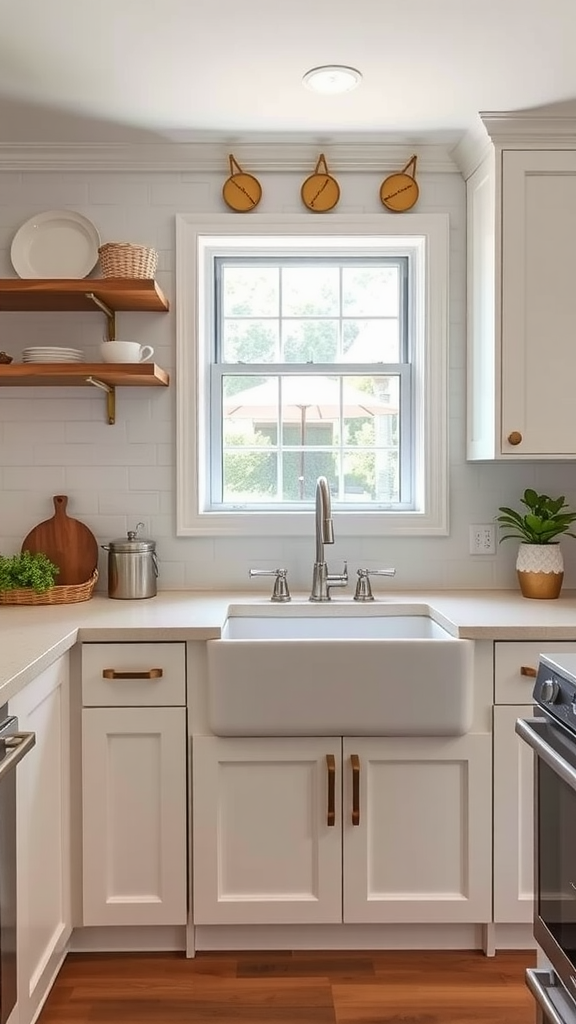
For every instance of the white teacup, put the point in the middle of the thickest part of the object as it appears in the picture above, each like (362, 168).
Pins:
(125, 352)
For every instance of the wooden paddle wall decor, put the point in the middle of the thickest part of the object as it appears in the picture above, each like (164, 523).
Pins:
(241, 192)
(399, 192)
(320, 192)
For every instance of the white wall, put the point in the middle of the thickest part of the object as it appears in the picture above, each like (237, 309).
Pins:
(56, 441)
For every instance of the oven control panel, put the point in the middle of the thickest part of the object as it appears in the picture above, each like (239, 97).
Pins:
(556, 695)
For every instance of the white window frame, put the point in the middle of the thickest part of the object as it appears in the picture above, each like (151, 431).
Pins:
(427, 236)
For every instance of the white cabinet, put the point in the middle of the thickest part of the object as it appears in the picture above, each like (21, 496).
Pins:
(134, 785)
(515, 665)
(264, 852)
(421, 850)
(325, 830)
(43, 837)
(522, 304)
(513, 818)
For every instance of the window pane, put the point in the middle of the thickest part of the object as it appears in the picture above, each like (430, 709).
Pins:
(371, 341)
(250, 291)
(310, 291)
(250, 341)
(370, 291)
(300, 471)
(249, 475)
(310, 341)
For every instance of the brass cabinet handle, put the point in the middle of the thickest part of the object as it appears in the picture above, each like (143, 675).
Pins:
(355, 762)
(151, 673)
(331, 768)
(527, 670)
(515, 437)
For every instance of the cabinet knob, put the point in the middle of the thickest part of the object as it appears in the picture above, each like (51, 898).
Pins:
(515, 437)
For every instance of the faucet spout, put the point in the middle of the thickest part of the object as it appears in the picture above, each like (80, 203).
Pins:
(321, 578)
(324, 524)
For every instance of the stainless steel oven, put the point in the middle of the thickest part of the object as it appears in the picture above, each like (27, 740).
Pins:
(552, 736)
(13, 746)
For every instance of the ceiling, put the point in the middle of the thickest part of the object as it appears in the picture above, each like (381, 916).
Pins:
(73, 70)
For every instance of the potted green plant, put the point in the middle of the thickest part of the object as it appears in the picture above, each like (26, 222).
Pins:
(540, 565)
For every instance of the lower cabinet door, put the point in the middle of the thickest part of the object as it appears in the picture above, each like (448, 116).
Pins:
(134, 816)
(418, 849)
(267, 831)
(513, 818)
(42, 837)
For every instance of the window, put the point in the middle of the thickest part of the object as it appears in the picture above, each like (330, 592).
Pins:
(309, 349)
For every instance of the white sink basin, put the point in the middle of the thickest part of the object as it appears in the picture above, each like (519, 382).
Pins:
(326, 627)
(321, 670)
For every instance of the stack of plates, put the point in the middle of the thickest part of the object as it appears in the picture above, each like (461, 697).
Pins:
(50, 354)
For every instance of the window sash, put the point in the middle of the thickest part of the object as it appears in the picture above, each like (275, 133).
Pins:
(282, 261)
(214, 438)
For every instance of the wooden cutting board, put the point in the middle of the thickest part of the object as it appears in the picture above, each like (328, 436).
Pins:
(67, 543)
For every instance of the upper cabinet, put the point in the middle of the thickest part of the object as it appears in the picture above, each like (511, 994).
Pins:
(522, 297)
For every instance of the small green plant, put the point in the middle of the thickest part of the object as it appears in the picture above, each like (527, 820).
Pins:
(544, 521)
(27, 570)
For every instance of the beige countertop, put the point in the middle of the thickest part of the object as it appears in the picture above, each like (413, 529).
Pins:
(31, 638)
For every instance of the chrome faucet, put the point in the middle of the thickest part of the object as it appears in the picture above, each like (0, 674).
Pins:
(322, 581)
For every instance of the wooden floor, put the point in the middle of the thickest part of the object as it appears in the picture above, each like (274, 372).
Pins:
(292, 988)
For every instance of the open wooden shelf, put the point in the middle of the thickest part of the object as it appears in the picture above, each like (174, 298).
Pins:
(120, 294)
(76, 375)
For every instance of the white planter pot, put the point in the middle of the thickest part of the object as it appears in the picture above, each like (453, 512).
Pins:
(540, 569)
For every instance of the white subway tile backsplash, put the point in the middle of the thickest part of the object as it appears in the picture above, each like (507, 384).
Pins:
(131, 190)
(145, 478)
(129, 503)
(58, 441)
(88, 478)
(51, 479)
(57, 191)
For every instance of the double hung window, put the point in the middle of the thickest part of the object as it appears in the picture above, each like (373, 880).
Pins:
(302, 355)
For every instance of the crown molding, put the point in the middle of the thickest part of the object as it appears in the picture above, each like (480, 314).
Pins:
(535, 129)
(203, 157)
(471, 150)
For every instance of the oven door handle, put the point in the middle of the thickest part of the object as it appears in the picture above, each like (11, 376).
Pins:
(527, 730)
(18, 743)
(540, 993)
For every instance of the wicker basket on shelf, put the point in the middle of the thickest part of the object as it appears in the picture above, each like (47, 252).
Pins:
(122, 259)
(71, 594)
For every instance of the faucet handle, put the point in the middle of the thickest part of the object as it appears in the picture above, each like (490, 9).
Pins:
(280, 591)
(363, 586)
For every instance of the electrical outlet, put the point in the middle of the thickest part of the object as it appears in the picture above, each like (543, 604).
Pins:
(483, 539)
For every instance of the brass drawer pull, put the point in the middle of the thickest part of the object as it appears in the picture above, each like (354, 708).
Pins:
(515, 437)
(527, 670)
(331, 768)
(355, 762)
(152, 673)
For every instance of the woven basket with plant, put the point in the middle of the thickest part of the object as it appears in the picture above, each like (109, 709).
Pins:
(27, 579)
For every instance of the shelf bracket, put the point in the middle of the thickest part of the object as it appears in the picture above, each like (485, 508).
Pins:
(109, 313)
(110, 397)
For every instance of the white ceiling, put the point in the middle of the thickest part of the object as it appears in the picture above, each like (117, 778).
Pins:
(80, 70)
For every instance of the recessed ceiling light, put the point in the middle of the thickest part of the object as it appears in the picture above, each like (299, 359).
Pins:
(331, 79)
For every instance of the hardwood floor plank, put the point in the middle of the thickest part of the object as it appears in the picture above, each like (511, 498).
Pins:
(320, 987)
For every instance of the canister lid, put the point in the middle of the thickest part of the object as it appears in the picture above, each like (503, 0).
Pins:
(132, 542)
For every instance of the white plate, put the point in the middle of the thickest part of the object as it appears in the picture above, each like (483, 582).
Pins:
(52, 359)
(58, 243)
(53, 351)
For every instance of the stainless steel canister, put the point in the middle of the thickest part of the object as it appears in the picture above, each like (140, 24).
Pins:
(132, 566)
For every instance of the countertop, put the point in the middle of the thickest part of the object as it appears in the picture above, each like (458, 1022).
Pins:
(31, 638)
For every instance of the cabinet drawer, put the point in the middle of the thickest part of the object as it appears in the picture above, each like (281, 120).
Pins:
(159, 670)
(511, 684)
